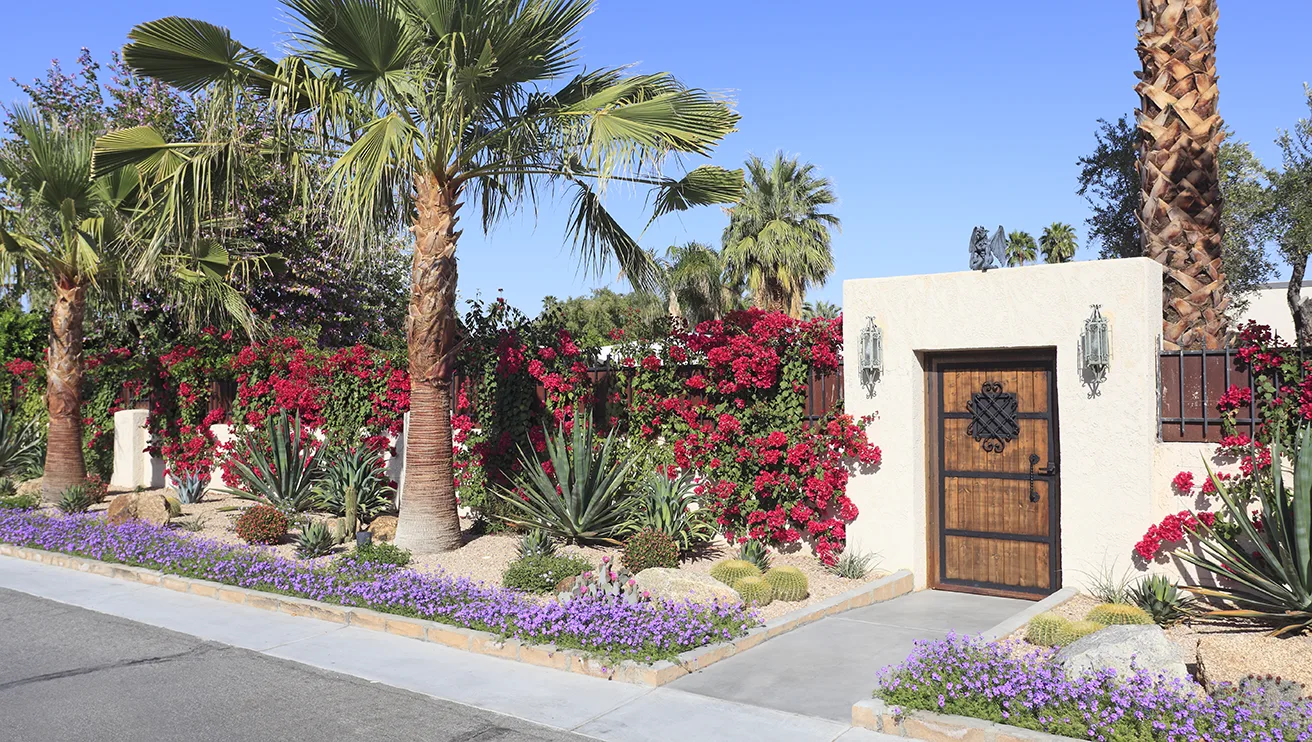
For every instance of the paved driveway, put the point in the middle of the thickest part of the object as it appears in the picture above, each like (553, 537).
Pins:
(823, 668)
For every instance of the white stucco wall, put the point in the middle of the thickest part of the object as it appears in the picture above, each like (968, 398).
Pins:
(1268, 306)
(1108, 442)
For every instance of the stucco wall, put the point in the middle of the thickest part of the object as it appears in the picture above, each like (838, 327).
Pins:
(1268, 306)
(1108, 442)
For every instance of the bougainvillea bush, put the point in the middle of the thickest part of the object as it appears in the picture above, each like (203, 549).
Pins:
(728, 398)
(1002, 683)
(609, 628)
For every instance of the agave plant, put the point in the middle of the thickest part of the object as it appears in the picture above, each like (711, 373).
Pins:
(1163, 600)
(362, 469)
(1270, 567)
(582, 500)
(20, 446)
(671, 506)
(190, 487)
(280, 468)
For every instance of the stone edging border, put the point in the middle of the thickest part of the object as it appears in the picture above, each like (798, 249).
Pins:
(1009, 625)
(482, 642)
(926, 725)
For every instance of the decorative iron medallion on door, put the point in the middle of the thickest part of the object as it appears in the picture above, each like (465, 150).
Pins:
(993, 422)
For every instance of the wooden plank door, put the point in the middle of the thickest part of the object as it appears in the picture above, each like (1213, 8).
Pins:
(993, 492)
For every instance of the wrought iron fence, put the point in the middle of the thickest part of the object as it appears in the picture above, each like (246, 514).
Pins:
(1191, 383)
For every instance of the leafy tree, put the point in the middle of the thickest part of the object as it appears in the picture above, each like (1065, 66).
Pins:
(1109, 181)
(593, 320)
(823, 309)
(695, 283)
(778, 238)
(1290, 216)
(430, 105)
(1021, 248)
(1245, 204)
(1058, 243)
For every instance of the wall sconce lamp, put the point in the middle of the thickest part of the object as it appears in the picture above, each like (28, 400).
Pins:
(872, 355)
(1095, 349)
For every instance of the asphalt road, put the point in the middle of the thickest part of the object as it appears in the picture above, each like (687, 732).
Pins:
(69, 674)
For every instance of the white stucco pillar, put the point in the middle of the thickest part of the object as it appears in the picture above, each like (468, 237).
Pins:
(133, 465)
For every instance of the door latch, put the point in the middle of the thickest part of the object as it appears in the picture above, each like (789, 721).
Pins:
(1046, 471)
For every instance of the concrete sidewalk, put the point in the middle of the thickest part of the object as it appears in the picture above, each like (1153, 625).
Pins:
(564, 701)
(823, 668)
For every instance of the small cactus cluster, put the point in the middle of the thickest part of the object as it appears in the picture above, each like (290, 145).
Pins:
(1273, 689)
(605, 581)
(1119, 614)
(1076, 630)
(1045, 629)
(755, 590)
(730, 571)
(755, 552)
(788, 583)
(348, 524)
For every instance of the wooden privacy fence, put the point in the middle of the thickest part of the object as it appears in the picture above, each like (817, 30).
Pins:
(1192, 382)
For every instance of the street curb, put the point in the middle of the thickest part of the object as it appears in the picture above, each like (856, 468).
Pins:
(1010, 624)
(876, 716)
(480, 642)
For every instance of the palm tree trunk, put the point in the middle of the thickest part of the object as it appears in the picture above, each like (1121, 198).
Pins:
(428, 520)
(1180, 200)
(65, 465)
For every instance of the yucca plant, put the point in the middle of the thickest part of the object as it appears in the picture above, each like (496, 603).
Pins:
(1270, 567)
(280, 468)
(671, 506)
(362, 469)
(583, 500)
(20, 446)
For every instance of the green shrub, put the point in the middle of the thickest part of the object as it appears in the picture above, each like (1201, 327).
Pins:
(755, 590)
(1076, 630)
(730, 571)
(755, 552)
(262, 524)
(788, 583)
(76, 499)
(1163, 600)
(583, 500)
(536, 543)
(1117, 614)
(28, 501)
(7, 488)
(20, 446)
(649, 548)
(279, 468)
(381, 552)
(853, 565)
(541, 574)
(671, 506)
(315, 540)
(1045, 630)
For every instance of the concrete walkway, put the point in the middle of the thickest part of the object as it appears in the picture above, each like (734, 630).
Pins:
(594, 708)
(823, 668)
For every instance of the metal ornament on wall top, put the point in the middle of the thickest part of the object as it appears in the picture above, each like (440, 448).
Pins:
(994, 420)
(988, 253)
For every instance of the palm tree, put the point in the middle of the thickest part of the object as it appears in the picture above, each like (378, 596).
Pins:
(1180, 196)
(1058, 243)
(819, 309)
(1021, 248)
(692, 277)
(778, 236)
(429, 105)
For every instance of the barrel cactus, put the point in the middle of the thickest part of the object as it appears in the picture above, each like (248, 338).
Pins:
(1045, 629)
(1119, 614)
(730, 571)
(754, 590)
(1076, 630)
(788, 583)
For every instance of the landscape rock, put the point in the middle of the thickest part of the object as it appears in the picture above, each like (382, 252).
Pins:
(1125, 649)
(383, 527)
(150, 507)
(674, 584)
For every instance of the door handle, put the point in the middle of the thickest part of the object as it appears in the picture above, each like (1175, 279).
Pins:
(1048, 470)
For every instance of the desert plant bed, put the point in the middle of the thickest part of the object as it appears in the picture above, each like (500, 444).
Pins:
(647, 631)
(1026, 687)
(1222, 650)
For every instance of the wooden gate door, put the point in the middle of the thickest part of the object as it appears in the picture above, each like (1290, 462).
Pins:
(993, 494)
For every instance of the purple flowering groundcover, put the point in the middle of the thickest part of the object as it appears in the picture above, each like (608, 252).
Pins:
(645, 632)
(970, 677)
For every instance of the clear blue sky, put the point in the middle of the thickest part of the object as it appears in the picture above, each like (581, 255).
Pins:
(929, 117)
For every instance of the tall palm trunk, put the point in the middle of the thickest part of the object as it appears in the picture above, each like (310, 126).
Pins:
(429, 521)
(65, 465)
(1180, 200)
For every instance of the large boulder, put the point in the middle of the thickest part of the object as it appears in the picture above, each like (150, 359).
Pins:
(383, 527)
(674, 584)
(1125, 649)
(151, 507)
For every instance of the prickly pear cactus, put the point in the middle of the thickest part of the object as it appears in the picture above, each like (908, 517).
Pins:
(1045, 629)
(730, 571)
(1273, 689)
(607, 581)
(1076, 630)
(788, 583)
(755, 590)
(1118, 614)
